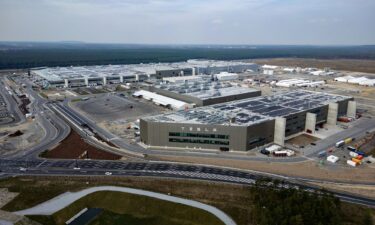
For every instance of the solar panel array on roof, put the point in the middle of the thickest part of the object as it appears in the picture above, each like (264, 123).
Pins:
(203, 88)
(255, 110)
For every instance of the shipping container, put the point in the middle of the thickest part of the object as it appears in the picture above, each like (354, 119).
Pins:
(353, 154)
(344, 119)
(287, 152)
(356, 160)
(279, 153)
(351, 163)
(360, 157)
(340, 144)
(348, 140)
(273, 148)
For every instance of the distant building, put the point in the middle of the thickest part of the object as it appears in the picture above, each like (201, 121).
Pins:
(81, 76)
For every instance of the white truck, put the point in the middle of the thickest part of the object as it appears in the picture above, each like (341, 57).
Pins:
(340, 144)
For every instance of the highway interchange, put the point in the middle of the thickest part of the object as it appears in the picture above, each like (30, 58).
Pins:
(56, 120)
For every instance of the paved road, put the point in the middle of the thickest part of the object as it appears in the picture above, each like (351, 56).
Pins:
(54, 128)
(153, 169)
(12, 105)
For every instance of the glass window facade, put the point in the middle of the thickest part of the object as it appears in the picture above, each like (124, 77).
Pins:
(199, 141)
(199, 138)
(198, 135)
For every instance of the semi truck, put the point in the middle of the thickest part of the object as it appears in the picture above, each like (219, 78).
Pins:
(340, 144)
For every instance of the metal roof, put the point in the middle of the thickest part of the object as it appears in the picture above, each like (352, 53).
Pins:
(204, 88)
(252, 110)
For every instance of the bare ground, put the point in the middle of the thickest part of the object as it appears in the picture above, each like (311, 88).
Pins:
(367, 66)
(73, 147)
(364, 190)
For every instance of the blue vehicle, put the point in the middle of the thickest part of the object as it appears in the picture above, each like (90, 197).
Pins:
(361, 153)
(322, 154)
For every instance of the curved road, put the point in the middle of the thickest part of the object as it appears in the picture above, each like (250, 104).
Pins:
(53, 205)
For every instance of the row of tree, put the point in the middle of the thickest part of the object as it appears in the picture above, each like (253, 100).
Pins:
(275, 203)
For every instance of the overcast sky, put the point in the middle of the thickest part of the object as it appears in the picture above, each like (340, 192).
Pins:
(317, 22)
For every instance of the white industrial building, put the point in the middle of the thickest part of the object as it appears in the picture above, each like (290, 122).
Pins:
(357, 80)
(268, 72)
(225, 76)
(289, 70)
(318, 73)
(162, 100)
(343, 79)
(364, 81)
(182, 79)
(81, 76)
(369, 82)
(299, 83)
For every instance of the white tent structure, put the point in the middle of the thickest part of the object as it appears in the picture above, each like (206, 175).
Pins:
(290, 82)
(317, 73)
(269, 67)
(369, 82)
(225, 76)
(162, 100)
(357, 80)
(343, 79)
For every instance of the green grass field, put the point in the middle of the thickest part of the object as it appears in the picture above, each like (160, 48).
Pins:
(236, 200)
(124, 208)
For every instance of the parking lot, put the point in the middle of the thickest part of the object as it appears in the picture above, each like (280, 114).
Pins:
(5, 116)
(112, 107)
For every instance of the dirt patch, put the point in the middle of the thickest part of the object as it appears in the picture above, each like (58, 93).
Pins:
(367, 66)
(363, 190)
(74, 147)
(16, 134)
(20, 137)
(302, 140)
(308, 169)
(6, 196)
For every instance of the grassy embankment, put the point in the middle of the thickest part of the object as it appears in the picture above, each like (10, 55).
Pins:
(242, 203)
(124, 208)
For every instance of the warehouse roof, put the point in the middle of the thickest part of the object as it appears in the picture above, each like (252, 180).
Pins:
(81, 72)
(161, 100)
(204, 88)
(253, 110)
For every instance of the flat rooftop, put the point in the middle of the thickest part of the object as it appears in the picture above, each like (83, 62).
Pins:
(81, 72)
(252, 110)
(204, 88)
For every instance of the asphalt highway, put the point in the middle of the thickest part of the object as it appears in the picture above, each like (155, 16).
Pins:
(151, 169)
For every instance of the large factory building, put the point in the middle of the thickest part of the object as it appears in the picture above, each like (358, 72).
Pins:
(83, 76)
(202, 91)
(245, 124)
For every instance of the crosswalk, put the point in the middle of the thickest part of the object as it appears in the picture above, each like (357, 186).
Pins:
(164, 169)
(207, 176)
